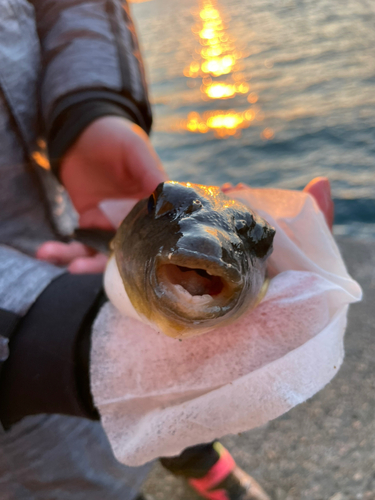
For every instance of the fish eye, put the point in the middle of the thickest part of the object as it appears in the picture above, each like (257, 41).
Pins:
(151, 203)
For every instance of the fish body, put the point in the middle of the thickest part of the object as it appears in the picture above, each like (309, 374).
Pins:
(188, 259)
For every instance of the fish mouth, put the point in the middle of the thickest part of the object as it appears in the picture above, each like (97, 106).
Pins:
(195, 280)
(197, 288)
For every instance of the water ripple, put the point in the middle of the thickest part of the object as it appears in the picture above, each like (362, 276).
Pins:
(310, 67)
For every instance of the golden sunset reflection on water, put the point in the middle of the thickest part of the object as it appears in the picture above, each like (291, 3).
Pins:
(217, 64)
(223, 123)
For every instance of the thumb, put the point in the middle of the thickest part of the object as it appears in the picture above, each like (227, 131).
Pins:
(144, 166)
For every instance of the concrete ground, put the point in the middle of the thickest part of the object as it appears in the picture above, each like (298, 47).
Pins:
(323, 449)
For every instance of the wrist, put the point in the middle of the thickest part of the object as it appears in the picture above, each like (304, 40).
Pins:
(73, 120)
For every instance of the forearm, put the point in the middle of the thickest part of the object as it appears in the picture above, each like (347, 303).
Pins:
(22, 280)
(91, 59)
(47, 367)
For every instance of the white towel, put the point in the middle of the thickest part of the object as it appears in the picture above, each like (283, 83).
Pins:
(157, 395)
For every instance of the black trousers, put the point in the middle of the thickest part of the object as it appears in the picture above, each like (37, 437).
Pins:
(194, 462)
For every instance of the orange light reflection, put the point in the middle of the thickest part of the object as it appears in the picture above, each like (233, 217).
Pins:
(219, 90)
(267, 134)
(223, 123)
(216, 62)
(218, 57)
(41, 159)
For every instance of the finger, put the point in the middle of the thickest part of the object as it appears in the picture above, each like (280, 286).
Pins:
(320, 189)
(56, 252)
(227, 187)
(88, 265)
(146, 166)
(94, 217)
(153, 177)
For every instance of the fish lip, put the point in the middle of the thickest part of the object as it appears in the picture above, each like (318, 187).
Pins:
(200, 314)
(213, 265)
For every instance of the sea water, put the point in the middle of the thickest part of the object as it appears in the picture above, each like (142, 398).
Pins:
(267, 93)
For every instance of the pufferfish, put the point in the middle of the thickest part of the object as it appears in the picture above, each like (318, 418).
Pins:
(188, 259)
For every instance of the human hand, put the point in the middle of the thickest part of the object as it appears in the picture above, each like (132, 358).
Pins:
(112, 159)
(320, 189)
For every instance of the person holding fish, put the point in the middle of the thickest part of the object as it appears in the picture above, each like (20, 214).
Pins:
(96, 117)
(95, 114)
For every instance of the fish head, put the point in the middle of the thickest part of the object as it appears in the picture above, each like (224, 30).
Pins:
(191, 258)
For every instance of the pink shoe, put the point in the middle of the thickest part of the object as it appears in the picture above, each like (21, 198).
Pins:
(226, 481)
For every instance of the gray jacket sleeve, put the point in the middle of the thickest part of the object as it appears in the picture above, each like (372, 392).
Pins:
(90, 51)
(22, 279)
